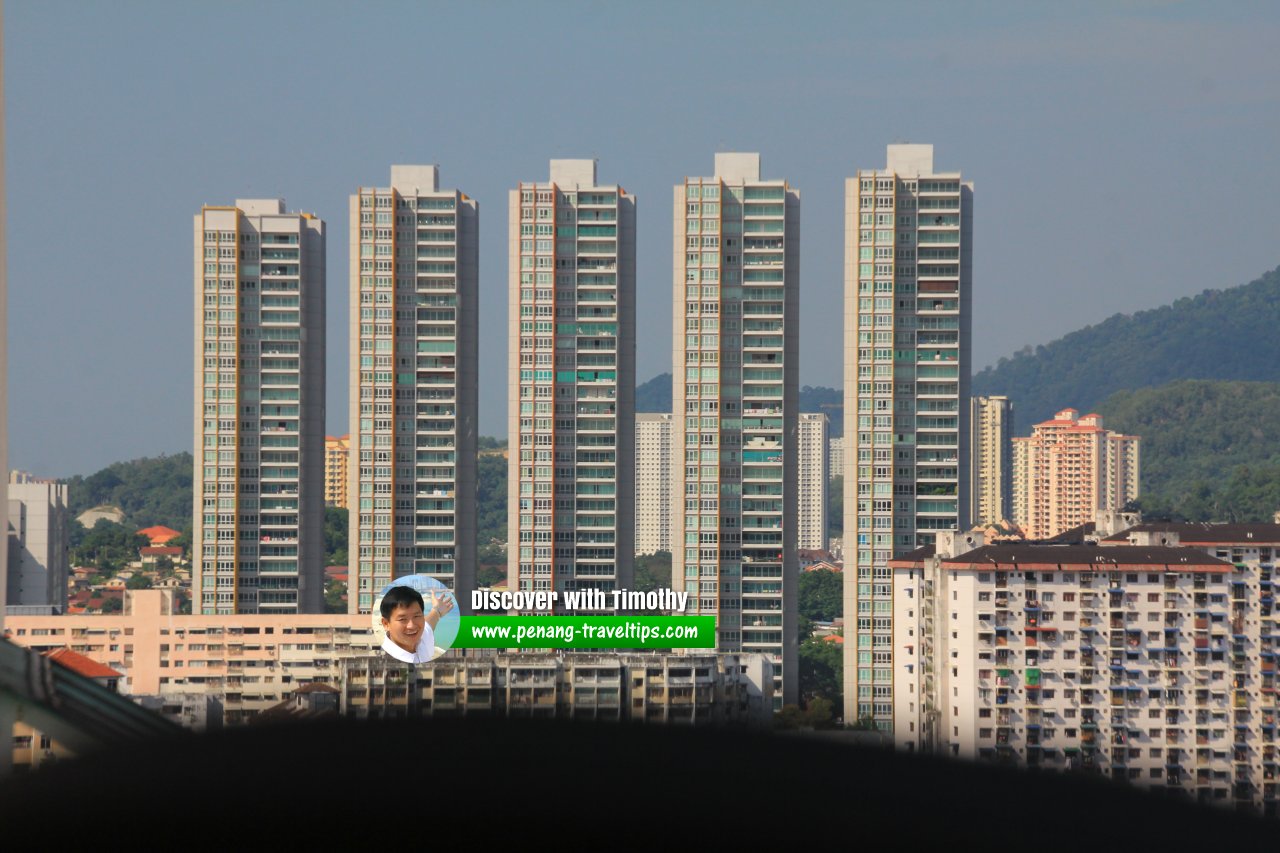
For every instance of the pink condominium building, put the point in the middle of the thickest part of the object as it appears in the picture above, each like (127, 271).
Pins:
(1067, 470)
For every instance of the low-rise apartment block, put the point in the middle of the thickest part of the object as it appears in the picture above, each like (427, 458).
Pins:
(653, 688)
(248, 662)
(1147, 657)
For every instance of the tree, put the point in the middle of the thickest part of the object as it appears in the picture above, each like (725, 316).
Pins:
(835, 506)
(334, 589)
(821, 670)
(821, 595)
(164, 567)
(183, 539)
(865, 723)
(489, 575)
(138, 581)
(491, 564)
(820, 713)
(336, 533)
(108, 546)
(149, 491)
(491, 499)
(789, 717)
(112, 605)
(653, 571)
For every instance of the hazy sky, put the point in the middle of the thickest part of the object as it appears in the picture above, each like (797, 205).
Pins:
(1123, 155)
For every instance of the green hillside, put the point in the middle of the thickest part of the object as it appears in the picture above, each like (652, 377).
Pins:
(654, 395)
(157, 490)
(1220, 334)
(1210, 450)
(149, 491)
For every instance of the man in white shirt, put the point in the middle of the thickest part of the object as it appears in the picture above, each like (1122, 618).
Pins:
(410, 631)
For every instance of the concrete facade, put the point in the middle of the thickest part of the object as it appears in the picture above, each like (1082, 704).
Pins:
(651, 688)
(571, 406)
(835, 457)
(4, 353)
(812, 480)
(990, 460)
(908, 292)
(735, 398)
(414, 368)
(258, 490)
(244, 662)
(37, 545)
(1148, 657)
(654, 451)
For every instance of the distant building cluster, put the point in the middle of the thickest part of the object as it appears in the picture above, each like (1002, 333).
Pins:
(214, 671)
(1146, 655)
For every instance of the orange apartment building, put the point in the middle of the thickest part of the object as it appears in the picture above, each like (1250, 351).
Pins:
(337, 457)
(1069, 468)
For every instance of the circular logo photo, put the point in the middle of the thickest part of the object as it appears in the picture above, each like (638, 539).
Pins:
(418, 616)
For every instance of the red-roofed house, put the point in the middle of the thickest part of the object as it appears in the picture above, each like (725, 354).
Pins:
(89, 668)
(159, 534)
(823, 566)
(153, 553)
(33, 747)
(809, 556)
(98, 599)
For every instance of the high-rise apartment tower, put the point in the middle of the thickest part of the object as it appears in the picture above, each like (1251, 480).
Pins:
(812, 480)
(414, 355)
(571, 407)
(735, 393)
(908, 255)
(258, 490)
(990, 459)
(653, 482)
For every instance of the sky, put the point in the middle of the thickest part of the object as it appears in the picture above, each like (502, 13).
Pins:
(1122, 156)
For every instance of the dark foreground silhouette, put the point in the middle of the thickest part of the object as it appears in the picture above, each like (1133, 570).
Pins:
(479, 781)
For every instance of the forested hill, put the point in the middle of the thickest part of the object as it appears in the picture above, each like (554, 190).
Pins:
(654, 395)
(150, 491)
(1220, 334)
(1210, 450)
